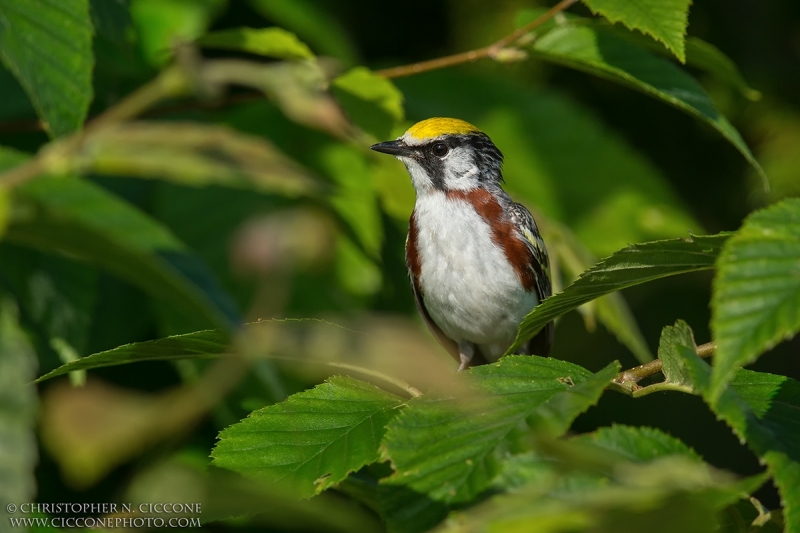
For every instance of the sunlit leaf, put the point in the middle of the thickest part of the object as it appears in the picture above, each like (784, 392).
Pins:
(271, 42)
(371, 101)
(312, 440)
(756, 294)
(664, 20)
(674, 340)
(314, 24)
(444, 446)
(18, 407)
(630, 266)
(601, 53)
(47, 44)
(762, 409)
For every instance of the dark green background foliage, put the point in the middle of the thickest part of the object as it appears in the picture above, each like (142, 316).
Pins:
(173, 169)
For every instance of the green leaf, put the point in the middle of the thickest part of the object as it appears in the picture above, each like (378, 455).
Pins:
(270, 42)
(444, 447)
(406, 511)
(372, 102)
(197, 155)
(598, 52)
(18, 407)
(222, 495)
(630, 266)
(764, 412)
(637, 444)
(78, 219)
(701, 55)
(202, 344)
(612, 310)
(47, 44)
(674, 340)
(312, 440)
(556, 415)
(82, 221)
(160, 24)
(664, 20)
(111, 19)
(756, 294)
(669, 494)
(313, 23)
(5, 210)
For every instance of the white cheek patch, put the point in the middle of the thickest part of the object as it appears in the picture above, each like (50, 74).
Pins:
(461, 173)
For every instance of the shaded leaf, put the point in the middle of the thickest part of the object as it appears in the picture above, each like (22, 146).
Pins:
(312, 440)
(444, 446)
(673, 493)
(664, 20)
(209, 343)
(194, 154)
(47, 44)
(271, 42)
(701, 55)
(630, 266)
(393, 347)
(5, 210)
(18, 406)
(612, 309)
(637, 444)
(371, 101)
(601, 53)
(224, 495)
(764, 412)
(80, 220)
(407, 511)
(756, 294)
(161, 24)
(111, 18)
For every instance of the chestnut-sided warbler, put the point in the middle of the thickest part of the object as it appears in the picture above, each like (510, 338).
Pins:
(475, 257)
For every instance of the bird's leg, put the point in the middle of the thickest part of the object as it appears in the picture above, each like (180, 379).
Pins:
(465, 352)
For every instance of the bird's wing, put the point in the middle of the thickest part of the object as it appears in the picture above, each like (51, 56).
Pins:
(541, 343)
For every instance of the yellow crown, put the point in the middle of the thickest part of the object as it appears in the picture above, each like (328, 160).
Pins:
(434, 127)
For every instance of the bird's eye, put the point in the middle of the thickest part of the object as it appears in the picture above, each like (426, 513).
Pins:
(440, 149)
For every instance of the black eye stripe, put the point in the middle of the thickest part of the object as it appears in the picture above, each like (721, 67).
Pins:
(486, 157)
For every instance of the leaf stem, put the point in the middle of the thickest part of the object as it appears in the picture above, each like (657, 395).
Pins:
(490, 51)
(626, 381)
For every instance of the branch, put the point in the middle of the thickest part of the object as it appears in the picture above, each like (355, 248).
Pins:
(491, 51)
(626, 381)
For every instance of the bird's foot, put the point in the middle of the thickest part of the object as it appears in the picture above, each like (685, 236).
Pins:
(465, 352)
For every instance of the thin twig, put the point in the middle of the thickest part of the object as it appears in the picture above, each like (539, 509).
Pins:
(626, 381)
(490, 51)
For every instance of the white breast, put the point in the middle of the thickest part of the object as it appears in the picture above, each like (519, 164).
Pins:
(470, 290)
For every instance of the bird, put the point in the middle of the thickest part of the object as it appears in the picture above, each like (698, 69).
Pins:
(476, 260)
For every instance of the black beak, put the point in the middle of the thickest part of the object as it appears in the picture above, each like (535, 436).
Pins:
(393, 147)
